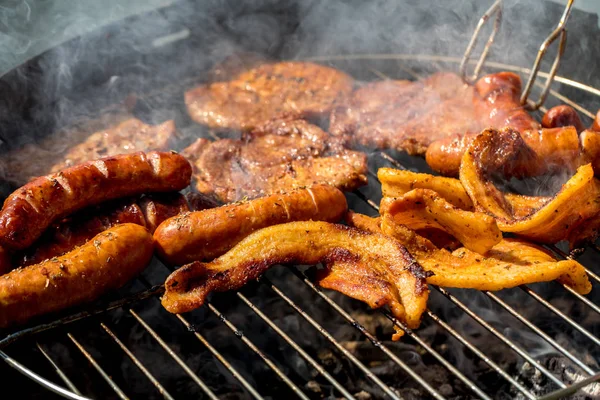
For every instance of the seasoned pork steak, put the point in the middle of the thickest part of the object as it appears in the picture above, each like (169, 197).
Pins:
(278, 156)
(270, 90)
(406, 115)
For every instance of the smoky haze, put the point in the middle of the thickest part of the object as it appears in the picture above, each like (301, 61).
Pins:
(102, 67)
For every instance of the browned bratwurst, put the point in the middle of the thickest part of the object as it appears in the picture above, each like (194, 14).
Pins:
(32, 208)
(204, 235)
(106, 262)
(562, 115)
(76, 230)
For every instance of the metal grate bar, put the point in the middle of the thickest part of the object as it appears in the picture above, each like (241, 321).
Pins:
(366, 199)
(59, 372)
(369, 336)
(470, 384)
(556, 311)
(296, 347)
(567, 256)
(37, 378)
(562, 393)
(153, 291)
(500, 336)
(479, 354)
(541, 333)
(582, 298)
(137, 363)
(98, 368)
(175, 357)
(332, 340)
(221, 359)
(256, 350)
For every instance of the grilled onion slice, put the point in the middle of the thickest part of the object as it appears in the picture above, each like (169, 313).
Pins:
(345, 248)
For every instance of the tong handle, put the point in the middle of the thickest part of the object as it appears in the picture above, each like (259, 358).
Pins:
(559, 32)
(495, 9)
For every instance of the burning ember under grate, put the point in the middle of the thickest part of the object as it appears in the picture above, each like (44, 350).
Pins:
(283, 336)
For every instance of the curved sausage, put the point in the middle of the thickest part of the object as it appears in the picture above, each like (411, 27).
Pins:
(497, 102)
(204, 235)
(32, 208)
(106, 262)
(561, 116)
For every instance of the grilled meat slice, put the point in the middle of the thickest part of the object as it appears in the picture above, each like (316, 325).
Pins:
(303, 89)
(307, 242)
(406, 115)
(572, 212)
(424, 208)
(279, 156)
(508, 264)
(78, 146)
(396, 183)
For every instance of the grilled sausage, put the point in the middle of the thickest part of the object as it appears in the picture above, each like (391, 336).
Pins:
(77, 229)
(560, 116)
(32, 208)
(497, 104)
(204, 235)
(107, 262)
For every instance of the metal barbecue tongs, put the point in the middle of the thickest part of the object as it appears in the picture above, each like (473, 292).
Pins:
(560, 32)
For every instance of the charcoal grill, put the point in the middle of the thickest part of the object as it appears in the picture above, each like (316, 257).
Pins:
(121, 348)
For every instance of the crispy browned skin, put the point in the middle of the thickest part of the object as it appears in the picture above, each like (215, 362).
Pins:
(77, 146)
(560, 218)
(107, 262)
(279, 156)
(406, 115)
(562, 115)
(300, 88)
(396, 183)
(497, 102)
(424, 208)
(305, 243)
(205, 235)
(31, 209)
(508, 264)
